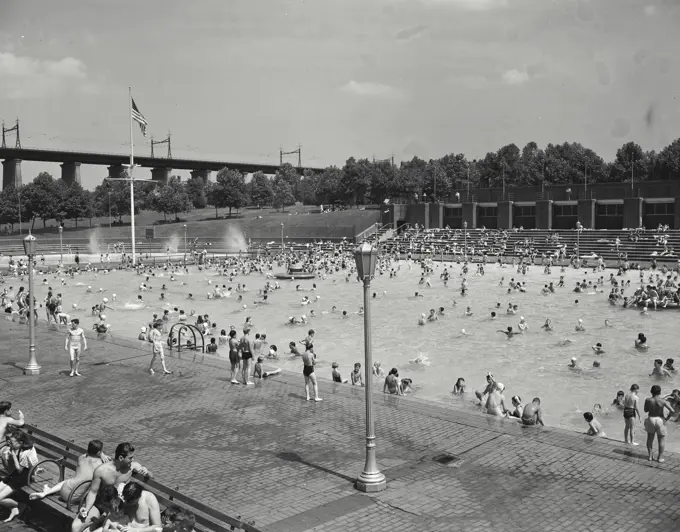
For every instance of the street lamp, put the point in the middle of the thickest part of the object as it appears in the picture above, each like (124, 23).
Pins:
(465, 235)
(30, 246)
(371, 479)
(281, 237)
(61, 246)
(578, 244)
(110, 210)
(185, 245)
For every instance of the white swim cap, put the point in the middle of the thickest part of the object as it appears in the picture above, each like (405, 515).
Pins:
(573, 359)
(521, 318)
(102, 316)
(89, 288)
(75, 306)
(143, 329)
(114, 295)
(106, 300)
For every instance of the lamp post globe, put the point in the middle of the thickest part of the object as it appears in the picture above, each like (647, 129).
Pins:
(30, 248)
(370, 480)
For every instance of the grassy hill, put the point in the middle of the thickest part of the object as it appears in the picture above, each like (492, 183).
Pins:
(300, 223)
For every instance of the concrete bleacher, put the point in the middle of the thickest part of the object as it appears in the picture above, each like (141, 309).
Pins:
(600, 242)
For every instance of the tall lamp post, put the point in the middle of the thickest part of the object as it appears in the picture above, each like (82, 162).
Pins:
(281, 237)
(371, 479)
(110, 210)
(465, 235)
(61, 246)
(185, 245)
(578, 244)
(30, 246)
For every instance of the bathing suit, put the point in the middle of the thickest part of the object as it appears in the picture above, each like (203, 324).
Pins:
(628, 412)
(308, 370)
(655, 425)
(529, 421)
(336, 378)
(246, 355)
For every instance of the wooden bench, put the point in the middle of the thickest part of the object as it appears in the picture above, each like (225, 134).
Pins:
(58, 455)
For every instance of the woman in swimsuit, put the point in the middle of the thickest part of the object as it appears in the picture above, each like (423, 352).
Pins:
(308, 371)
(495, 403)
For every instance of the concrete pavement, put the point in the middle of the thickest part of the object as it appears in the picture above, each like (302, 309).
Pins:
(266, 454)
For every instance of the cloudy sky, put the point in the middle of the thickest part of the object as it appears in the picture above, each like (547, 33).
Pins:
(237, 79)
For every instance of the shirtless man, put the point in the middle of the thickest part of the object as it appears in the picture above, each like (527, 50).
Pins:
(142, 508)
(247, 350)
(115, 473)
(87, 463)
(656, 421)
(630, 410)
(533, 414)
(234, 356)
(73, 345)
(490, 385)
(308, 371)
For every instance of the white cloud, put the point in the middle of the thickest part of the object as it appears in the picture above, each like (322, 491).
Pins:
(650, 10)
(25, 77)
(370, 89)
(515, 77)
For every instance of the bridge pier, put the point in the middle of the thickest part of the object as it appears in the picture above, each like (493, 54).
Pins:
(161, 174)
(116, 171)
(70, 173)
(11, 173)
(203, 174)
(200, 200)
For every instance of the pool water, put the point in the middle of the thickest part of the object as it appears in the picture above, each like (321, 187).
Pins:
(531, 365)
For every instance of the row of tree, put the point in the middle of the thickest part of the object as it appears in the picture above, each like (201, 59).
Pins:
(357, 182)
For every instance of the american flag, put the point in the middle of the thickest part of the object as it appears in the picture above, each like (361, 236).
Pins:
(138, 117)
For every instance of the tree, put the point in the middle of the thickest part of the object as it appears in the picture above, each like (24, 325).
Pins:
(289, 174)
(668, 161)
(172, 198)
(74, 202)
(328, 186)
(307, 189)
(229, 190)
(283, 195)
(260, 189)
(119, 193)
(630, 158)
(41, 194)
(196, 188)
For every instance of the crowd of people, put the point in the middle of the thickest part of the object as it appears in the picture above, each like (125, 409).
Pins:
(251, 356)
(110, 499)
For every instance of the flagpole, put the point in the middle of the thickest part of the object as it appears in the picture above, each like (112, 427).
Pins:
(132, 186)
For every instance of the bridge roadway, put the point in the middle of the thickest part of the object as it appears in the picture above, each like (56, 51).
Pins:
(161, 167)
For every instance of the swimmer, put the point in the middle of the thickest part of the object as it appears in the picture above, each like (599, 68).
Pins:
(573, 363)
(523, 326)
(607, 324)
(579, 326)
(659, 371)
(641, 342)
(509, 333)
(598, 348)
(459, 387)
(547, 325)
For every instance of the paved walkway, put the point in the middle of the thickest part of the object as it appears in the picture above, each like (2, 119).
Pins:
(266, 454)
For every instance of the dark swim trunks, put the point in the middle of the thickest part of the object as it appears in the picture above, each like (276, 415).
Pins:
(628, 412)
(246, 355)
(308, 370)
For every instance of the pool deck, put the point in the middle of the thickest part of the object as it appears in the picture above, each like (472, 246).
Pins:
(266, 454)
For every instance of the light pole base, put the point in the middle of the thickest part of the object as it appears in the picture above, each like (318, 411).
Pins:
(32, 370)
(371, 482)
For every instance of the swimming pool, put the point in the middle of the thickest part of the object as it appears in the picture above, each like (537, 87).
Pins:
(531, 365)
